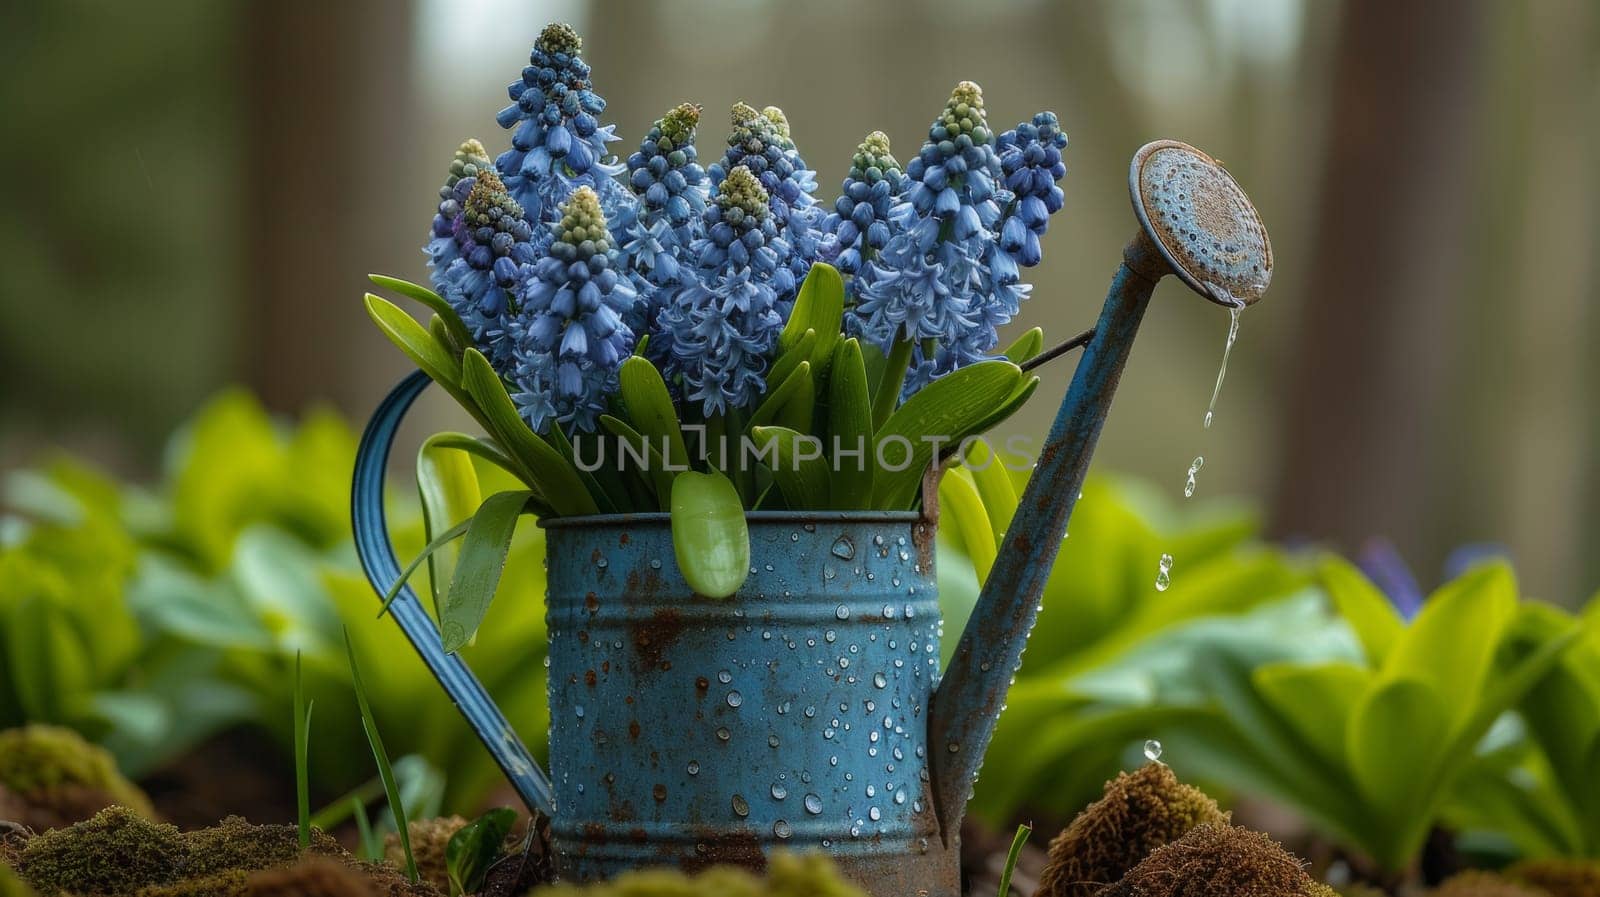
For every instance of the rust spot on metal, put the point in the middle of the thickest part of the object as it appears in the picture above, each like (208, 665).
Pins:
(659, 792)
(633, 729)
(589, 678)
(724, 848)
(624, 539)
(923, 536)
(591, 603)
(583, 636)
(605, 666)
(654, 636)
(623, 811)
(595, 557)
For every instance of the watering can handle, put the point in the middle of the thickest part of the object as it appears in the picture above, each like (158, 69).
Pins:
(382, 569)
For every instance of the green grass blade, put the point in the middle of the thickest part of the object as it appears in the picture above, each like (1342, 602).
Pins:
(371, 847)
(369, 723)
(449, 535)
(1021, 838)
(302, 744)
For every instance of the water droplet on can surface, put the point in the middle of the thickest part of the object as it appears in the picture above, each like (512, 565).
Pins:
(694, 767)
(842, 612)
(1152, 750)
(781, 829)
(779, 792)
(723, 734)
(880, 680)
(1164, 573)
(813, 804)
(724, 677)
(1194, 468)
(741, 807)
(735, 699)
(843, 548)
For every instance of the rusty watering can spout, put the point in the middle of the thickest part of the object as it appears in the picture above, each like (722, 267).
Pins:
(1196, 222)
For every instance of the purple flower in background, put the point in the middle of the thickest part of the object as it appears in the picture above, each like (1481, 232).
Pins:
(716, 331)
(568, 332)
(1382, 563)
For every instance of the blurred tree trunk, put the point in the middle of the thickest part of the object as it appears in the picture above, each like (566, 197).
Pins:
(329, 111)
(1362, 417)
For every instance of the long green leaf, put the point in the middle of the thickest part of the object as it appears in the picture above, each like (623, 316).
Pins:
(1396, 735)
(606, 490)
(790, 358)
(709, 536)
(792, 389)
(994, 486)
(946, 408)
(650, 410)
(414, 340)
(1021, 838)
(447, 485)
(432, 300)
(961, 507)
(801, 475)
(556, 478)
(850, 426)
(439, 541)
(654, 470)
(391, 788)
(1026, 346)
(819, 306)
(477, 573)
(302, 752)
(1361, 605)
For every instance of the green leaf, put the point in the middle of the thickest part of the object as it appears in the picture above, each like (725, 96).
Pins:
(432, 300)
(796, 388)
(650, 410)
(819, 306)
(555, 478)
(369, 724)
(1365, 608)
(1316, 699)
(1396, 734)
(947, 408)
(302, 750)
(440, 541)
(802, 476)
(477, 573)
(447, 485)
(1021, 838)
(645, 462)
(473, 849)
(1012, 404)
(1451, 643)
(890, 382)
(440, 331)
(993, 483)
(1027, 345)
(709, 536)
(489, 451)
(415, 341)
(606, 490)
(961, 506)
(790, 359)
(850, 425)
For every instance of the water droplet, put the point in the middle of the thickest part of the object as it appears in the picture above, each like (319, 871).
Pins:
(694, 767)
(843, 548)
(735, 699)
(772, 741)
(724, 677)
(1227, 349)
(1152, 750)
(578, 711)
(871, 791)
(781, 829)
(900, 797)
(842, 612)
(880, 680)
(874, 814)
(655, 563)
(723, 734)
(813, 804)
(779, 792)
(741, 807)
(1194, 468)
(602, 563)
(1164, 573)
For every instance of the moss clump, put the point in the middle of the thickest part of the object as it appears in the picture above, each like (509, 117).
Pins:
(1139, 812)
(429, 837)
(1477, 883)
(1560, 877)
(223, 884)
(1219, 861)
(788, 875)
(59, 778)
(118, 851)
(235, 844)
(13, 837)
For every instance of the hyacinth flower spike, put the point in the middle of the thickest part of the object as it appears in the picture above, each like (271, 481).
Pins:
(493, 242)
(569, 332)
(760, 142)
(858, 228)
(715, 333)
(925, 289)
(557, 142)
(443, 240)
(671, 188)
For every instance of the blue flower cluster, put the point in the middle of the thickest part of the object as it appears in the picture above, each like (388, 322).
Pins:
(444, 243)
(671, 188)
(558, 143)
(715, 332)
(568, 332)
(760, 142)
(493, 241)
(947, 279)
(858, 228)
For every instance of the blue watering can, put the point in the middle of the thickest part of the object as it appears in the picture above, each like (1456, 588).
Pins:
(807, 711)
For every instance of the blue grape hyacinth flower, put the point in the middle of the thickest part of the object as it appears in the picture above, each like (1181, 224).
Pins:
(557, 141)
(493, 241)
(760, 142)
(671, 188)
(716, 332)
(569, 335)
(1030, 156)
(858, 228)
(443, 239)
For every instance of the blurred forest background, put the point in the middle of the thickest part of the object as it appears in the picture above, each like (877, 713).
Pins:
(198, 188)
